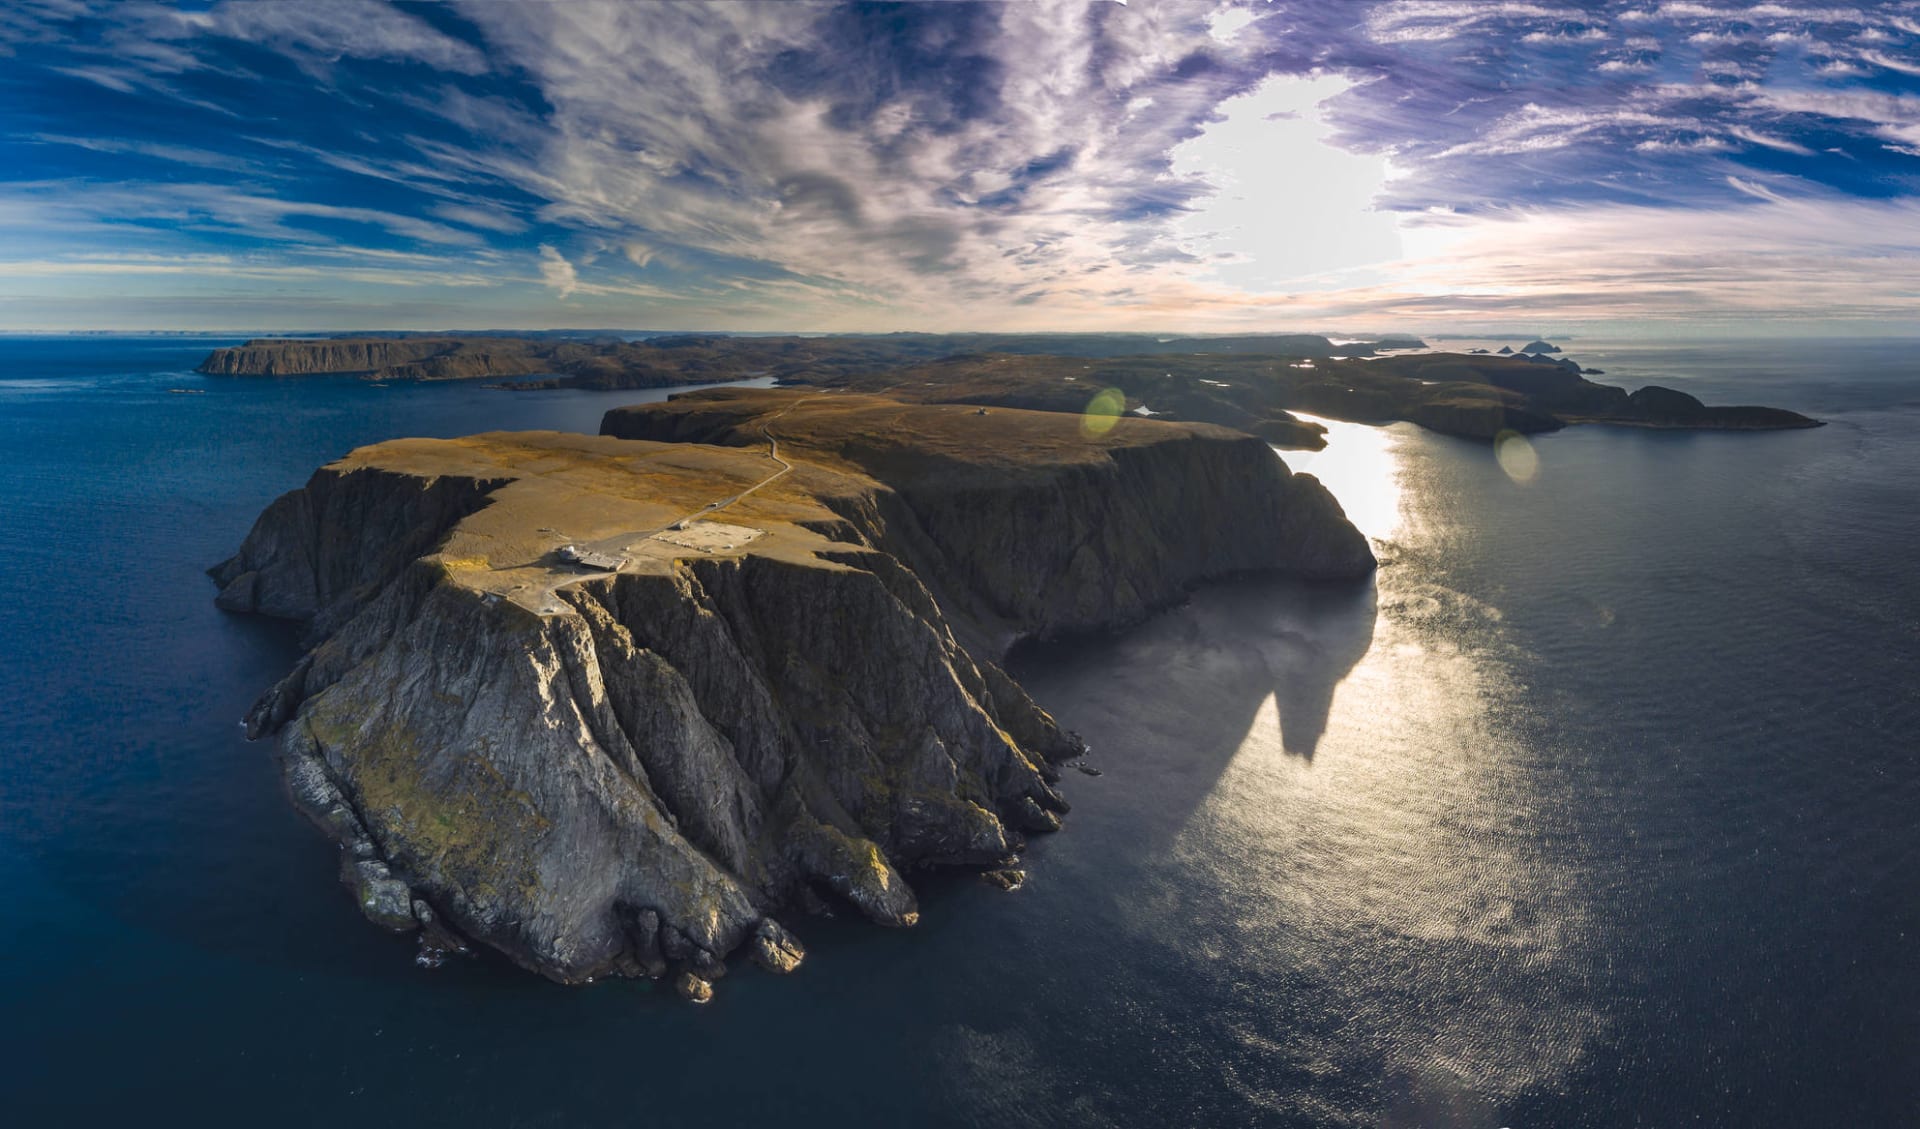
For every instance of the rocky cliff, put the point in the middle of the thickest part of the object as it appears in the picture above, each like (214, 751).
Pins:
(1025, 533)
(767, 677)
(409, 358)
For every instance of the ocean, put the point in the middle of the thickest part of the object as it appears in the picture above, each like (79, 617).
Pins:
(1596, 807)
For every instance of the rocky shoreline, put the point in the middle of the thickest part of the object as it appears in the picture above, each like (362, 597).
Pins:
(773, 684)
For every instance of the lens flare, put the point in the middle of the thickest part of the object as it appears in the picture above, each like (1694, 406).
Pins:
(1103, 411)
(1516, 456)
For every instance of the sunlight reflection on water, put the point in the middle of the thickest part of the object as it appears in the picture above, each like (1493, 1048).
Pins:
(1372, 827)
(1361, 466)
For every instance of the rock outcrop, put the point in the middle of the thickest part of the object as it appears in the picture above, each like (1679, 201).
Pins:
(784, 687)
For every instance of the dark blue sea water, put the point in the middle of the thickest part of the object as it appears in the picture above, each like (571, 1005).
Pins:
(1598, 807)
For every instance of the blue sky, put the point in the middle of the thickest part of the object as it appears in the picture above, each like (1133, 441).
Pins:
(1156, 166)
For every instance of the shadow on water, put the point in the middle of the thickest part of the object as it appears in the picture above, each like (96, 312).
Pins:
(1189, 686)
(1304, 639)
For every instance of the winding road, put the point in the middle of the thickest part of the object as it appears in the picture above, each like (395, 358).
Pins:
(621, 543)
(773, 452)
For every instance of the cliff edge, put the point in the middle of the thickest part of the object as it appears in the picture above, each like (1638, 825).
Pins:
(410, 358)
(608, 705)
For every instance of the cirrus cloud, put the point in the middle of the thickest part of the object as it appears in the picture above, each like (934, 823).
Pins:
(1055, 163)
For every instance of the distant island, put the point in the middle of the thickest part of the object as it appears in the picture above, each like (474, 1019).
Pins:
(1254, 383)
(613, 705)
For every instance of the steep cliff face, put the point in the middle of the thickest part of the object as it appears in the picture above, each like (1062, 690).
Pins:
(422, 358)
(1065, 538)
(318, 553)
(629, 769)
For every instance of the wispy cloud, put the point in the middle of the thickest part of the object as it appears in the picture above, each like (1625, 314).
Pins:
(557, 272)
(487, 219)
(211, 208)
(178, 154)
(1054, 162)
(320, 32)
(229, 268)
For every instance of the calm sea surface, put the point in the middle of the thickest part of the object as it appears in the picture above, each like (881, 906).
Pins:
(1598, 807)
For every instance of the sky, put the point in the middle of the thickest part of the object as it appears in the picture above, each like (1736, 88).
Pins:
(1415, 165)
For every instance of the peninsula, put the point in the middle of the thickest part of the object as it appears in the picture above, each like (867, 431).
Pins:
(615, 704)
(1474, 397)
(1254, 383)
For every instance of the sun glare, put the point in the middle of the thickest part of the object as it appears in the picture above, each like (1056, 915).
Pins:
(1288, 206)
(1361, 466)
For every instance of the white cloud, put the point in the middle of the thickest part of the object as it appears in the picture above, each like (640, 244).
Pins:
(666, 130)
(557, 272)
(1769, 141)
(320, 30)
(1903, 65)
(1066, 164)
(1892, 117)
(1226, 23)
(213, 208)
(487, 219)
(1404, 21)
(1681, 145)
(181, 154)
(1582, 35)
(226, 268)
(1755, 189)
(1534, 128)
(1776, 257)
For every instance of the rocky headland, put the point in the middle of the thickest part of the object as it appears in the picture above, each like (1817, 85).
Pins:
(613, 705)
(1480, 396)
